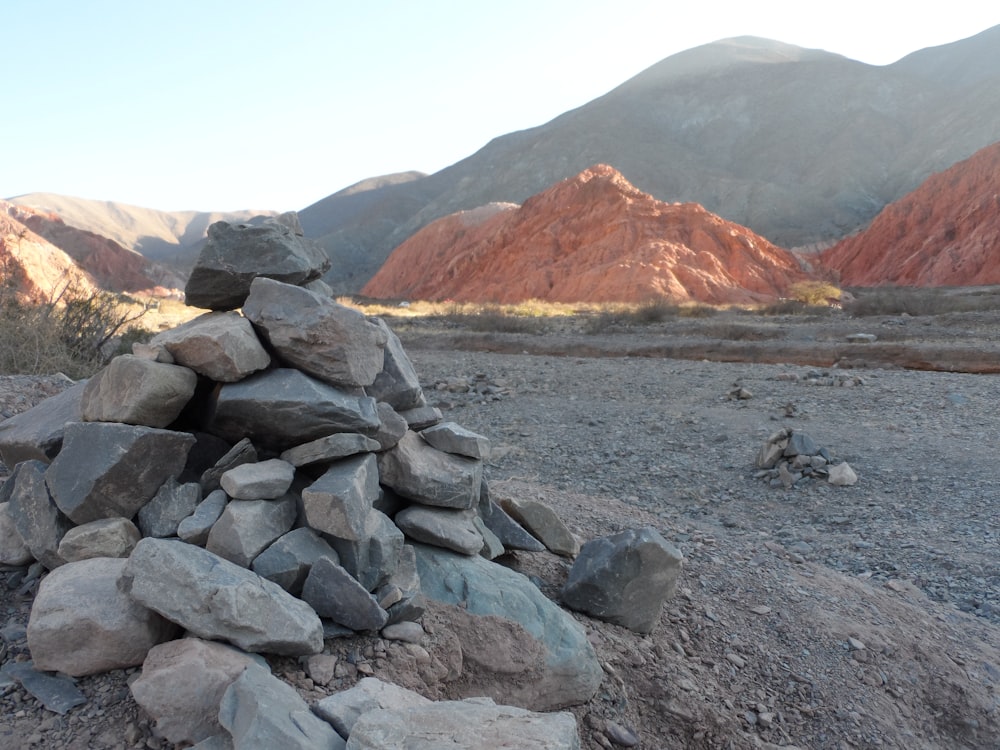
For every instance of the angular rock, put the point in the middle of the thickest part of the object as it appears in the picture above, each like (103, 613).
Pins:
(171, 504)
(338, 503)
(104, 469)
(401, 595)
(137, 391)
(288, 560)
(37, 519)
(443, 527)
(236, 254)
(241, 453)
(58, 693)
(342, 710)
(397, 384)
(260, 711)
(543, 523)
(106, 537)
(264, 480)
(373, 557)
(471, 724)
(567, 672)
(841, 475)
(330, 448)
(38, 432)
(624, 578)
(248, 527)
(283, 408)
(392, 427)
(195, 528)
(336, 594)
(222, 346)
(492, 546)
(421, 417)
(81, 623)
(453, 438)
(510, 533)
(182, 684)
(13, 551)
(215, 599)
(800, 443)
(422, 473)
(311, 332)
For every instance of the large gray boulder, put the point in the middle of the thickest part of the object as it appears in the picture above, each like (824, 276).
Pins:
(138, 391)
(38, 432)
(417, 471)
(472, 724)
(397, 384)
(81, 623)
(222, 346)
(260, 711)
(323, 338)
(182, 684)
(37, 519)
(104, 468)
(216, 599)
(339, 501)
(624, 578)
(235, 254)
(283, 408)
(567, 671)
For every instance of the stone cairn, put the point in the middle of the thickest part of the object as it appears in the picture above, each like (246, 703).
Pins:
(260, 482)
(790, 458)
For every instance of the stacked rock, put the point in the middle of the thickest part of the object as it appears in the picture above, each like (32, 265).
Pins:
(789, 458)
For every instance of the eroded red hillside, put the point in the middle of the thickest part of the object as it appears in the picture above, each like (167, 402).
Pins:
(944, 233)
(590, 238)
(32, 268)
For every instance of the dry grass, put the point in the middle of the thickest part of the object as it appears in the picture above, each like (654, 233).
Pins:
(923, 301)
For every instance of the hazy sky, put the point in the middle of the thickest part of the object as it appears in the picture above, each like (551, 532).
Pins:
(218, 105)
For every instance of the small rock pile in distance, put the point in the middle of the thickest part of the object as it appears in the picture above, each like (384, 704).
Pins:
(788, 458)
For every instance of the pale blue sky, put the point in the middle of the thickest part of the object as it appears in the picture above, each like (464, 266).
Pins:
(218, 105)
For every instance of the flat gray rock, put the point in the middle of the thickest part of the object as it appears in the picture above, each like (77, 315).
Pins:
(105, 537)
(422, 473)
(263, 480)
(216, 599)
(373, 557)
(330, 341)
(453, 438)
(171, 504)
(288, 560)
(342, 710)
(335, 594)
(509, 532)
(248, 527)
(448, 528)
(397, 384)
(339, 501)
(243, 452)
(222, 346)
(392, 427)
(13, 551)
(137, 391)
(104, 468)
(330, 448)
(235, 254)
(38, 432)
(543, 523)
(195, 528)
(58, 693)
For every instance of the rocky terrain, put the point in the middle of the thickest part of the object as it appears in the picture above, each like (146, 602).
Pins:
(814, 616)
(944, 233)
(594, 238)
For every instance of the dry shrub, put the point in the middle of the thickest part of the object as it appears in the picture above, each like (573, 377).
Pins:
(815, 293)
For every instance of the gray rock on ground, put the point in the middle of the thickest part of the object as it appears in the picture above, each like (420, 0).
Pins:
(510, 533)
(182, 684)
(543, 523)
(426, 475)
(235, 254)
(210, 597)
(137, 391)
(81, 623)
(624, 578)
(342, 710)
(13, 551)
(38, 432)
(330, 341)
(222, 346)
(106, 537)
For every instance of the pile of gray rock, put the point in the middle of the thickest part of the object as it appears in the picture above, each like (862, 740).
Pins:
(261, 482)
(790, 458)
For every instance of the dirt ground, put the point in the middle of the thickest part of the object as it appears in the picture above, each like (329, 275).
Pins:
(812, 617)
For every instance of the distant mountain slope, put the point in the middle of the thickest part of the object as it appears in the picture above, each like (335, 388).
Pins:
(944, 233)
(590, 238)
(801, 146)
(34, 269)
(173, 237)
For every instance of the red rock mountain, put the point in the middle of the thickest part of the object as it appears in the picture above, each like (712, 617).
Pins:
(944, 233)
(591, 238)
(32, 268)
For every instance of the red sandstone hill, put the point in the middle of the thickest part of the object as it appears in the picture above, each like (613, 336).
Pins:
(34, 269)
(944, 233)
(590, 238)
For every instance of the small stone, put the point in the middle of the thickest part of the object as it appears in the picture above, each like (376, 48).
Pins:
(855, 644)
(738, 661)
(621, 736)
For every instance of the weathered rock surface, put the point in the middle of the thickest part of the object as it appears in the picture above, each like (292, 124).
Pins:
(288, 560)
(422, 473)
(221, 346)
(594, 238)
(210, 597)
(247, 527)
(543, 523)
(398, 384)
(283, 408)
(567, 673)
(182, 684)
(243, 452)
(13, 550)
(236, 254)
(106, 537)
(338, 503)
(137, 391)
(453, 438)
(37, 519)
(38, 432)
(944, 233)
(81, 623)
(104, 469)
(448, 528)
(330, 448)
(263, 480)
(471, 724)
(624, 578)
(374, 556)
(508, 531)
(342, 710)
(260, 711)
(323, 338)
(195, 528)
(336, 594)
(171, 504)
